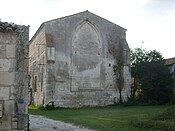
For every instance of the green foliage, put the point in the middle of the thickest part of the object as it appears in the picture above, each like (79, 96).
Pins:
(49, 106)
(156, 83)
(139, 55)
(151, 77)
(133, 102)
(32, 107)
(111, 118)
(163, 121)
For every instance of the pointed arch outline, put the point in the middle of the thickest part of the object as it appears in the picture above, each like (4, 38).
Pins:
(93, 26)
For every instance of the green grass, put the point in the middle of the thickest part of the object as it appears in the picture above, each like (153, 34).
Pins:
(114, 118)
(164, 121)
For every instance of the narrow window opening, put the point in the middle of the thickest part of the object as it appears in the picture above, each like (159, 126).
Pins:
(109, 65)
(35, 84)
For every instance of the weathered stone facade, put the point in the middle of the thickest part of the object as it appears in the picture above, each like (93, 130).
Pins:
(71, 62)
(170, 63)
(13, 77)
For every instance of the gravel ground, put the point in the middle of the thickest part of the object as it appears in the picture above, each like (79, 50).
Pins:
(40, 123)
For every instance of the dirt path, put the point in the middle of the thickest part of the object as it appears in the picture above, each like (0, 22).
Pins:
(40, 123)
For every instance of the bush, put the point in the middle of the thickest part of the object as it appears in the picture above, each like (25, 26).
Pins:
(132, 102)
(50, 106)
(136, 101)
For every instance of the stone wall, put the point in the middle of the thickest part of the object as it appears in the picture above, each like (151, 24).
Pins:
(13, 76)
(170, 63)
(37, 70)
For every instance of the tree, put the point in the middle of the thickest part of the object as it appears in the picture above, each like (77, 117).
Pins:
(151, 76)
(138, 56)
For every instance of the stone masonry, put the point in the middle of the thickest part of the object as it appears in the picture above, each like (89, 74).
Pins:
(71, 62)
(13, 77)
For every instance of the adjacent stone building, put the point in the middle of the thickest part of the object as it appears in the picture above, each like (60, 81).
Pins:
(71, 62)
(171, 65)
(170, 62)
(13, 77)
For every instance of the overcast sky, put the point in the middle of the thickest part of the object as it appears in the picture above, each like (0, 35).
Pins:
(150, 23)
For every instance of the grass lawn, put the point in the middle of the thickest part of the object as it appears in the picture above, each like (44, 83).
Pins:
(113, 118)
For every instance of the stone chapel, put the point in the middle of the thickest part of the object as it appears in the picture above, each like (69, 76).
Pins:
(72, 62)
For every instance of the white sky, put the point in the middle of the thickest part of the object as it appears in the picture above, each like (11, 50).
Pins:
(150, 23)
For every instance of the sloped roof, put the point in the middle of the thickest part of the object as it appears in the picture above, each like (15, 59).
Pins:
(41, 26)
(83, 13)
(170, 61)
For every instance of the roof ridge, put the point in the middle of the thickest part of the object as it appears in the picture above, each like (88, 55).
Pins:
(170, 61)
(66, 16)
(71, 16)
